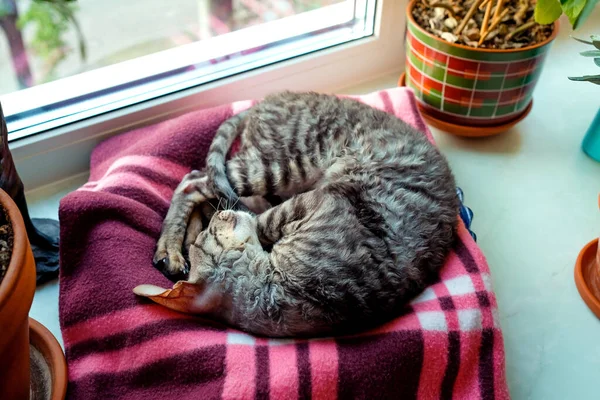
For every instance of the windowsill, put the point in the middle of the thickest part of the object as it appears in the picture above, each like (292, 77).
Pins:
(534, 195)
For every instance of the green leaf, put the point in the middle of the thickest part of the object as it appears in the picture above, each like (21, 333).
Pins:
(586, 78)
(572, 9)
(582, 40)
(591, 53)
(547, 11)
(596, 41)
(585, 13)
(597, 61)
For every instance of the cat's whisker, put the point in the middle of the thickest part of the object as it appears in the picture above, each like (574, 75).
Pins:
(234, 204)
(212, 205)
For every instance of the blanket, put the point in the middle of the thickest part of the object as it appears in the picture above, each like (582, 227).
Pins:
(448, 343)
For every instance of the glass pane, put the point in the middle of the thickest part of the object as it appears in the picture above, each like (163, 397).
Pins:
(61, 60)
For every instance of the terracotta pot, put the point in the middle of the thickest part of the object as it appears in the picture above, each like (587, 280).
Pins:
(587, 274)
(16, 296)
(55, 387)
(465, 86)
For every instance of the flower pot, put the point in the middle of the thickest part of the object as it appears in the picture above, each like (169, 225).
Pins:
(16, 296)
(591, 141)
(48, 364)
(468, 131)
(479, 89)
(587, 274)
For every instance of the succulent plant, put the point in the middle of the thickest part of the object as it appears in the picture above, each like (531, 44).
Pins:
(595, 54)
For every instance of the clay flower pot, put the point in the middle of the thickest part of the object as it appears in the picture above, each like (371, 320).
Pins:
(49, 367)
(469, 91)
(587, 274)
(16, 296)
(23, 339)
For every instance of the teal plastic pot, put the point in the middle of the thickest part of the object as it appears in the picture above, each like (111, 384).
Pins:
(591, 141)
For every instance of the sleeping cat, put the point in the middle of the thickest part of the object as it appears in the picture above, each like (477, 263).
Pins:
(370, 217)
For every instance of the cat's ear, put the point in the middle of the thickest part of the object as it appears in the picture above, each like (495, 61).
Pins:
(183, 297)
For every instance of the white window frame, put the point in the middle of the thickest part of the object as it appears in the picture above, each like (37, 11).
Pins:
(63, 152)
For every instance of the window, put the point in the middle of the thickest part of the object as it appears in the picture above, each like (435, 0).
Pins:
(131, 52)
(328, 47)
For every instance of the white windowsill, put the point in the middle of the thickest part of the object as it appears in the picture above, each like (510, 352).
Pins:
(534, 195)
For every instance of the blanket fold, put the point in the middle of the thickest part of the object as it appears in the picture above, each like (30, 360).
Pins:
(448, 344)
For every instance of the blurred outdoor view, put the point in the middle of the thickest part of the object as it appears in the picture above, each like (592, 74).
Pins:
(45, 40)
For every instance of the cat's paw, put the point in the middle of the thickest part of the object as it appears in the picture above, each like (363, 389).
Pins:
(171, 262)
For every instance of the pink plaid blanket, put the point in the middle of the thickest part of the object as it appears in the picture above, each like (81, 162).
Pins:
(448, 344)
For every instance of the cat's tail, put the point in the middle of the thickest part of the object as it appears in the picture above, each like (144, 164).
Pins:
(217, 154)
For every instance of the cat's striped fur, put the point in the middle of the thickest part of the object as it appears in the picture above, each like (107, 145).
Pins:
(371, 215)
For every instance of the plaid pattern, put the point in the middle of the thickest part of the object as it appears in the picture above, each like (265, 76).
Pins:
(468, 86)
(447, 344)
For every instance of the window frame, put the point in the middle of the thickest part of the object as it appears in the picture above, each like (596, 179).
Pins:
(62, 152)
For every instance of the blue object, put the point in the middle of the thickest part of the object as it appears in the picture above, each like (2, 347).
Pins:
(466, 214)
(591, 141)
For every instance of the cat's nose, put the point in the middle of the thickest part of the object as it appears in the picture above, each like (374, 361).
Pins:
(227, 216)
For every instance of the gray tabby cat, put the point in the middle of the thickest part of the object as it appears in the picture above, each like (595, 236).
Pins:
(371, 216)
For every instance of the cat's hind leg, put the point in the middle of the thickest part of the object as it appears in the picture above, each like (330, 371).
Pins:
(193, 190)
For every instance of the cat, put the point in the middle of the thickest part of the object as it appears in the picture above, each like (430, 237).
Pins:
(370, 212)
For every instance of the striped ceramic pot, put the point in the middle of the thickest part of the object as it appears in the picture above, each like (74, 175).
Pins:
(465, 86)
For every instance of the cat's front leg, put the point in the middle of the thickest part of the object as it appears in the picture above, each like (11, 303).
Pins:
(193, 190)
(199, 220)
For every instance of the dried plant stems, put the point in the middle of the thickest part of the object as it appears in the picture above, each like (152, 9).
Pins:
(485, 3)
(467, 17)
(484, 24)
(495, 23)
(520, 29)
(498, 8)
